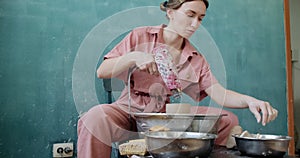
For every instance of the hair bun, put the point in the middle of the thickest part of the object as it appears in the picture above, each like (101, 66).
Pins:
(163, 5)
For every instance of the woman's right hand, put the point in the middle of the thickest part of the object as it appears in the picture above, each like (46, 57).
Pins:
(145, 62)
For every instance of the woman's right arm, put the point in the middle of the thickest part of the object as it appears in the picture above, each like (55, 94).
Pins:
(114, 66)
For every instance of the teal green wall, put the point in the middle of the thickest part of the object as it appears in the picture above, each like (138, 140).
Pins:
(40, 38)
(251, 39)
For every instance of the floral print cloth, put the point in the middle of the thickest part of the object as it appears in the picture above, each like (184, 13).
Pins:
(167, 70)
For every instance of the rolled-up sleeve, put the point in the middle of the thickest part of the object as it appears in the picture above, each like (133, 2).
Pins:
(120, 49)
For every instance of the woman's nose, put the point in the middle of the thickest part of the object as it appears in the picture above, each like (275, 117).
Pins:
(195, 23)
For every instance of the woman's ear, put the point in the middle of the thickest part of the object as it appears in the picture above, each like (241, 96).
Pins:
(170, 13)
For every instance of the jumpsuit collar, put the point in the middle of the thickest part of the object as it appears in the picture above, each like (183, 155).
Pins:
(188, 50)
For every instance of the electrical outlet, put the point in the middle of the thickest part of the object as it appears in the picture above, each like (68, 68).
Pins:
(63, 150)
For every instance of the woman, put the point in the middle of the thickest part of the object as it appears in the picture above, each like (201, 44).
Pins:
(142, 49)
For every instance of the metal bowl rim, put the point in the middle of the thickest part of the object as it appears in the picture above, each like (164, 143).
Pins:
(142, 115)
(199, 136)
(267, 137)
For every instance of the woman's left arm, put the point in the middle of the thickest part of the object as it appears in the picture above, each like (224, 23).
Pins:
(262, 110)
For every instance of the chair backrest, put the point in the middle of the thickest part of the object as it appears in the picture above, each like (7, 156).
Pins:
(113, 87)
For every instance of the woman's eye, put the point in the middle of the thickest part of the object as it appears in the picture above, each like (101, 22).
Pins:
(190, 14)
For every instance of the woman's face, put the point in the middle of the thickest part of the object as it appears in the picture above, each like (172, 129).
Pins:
(186, 20)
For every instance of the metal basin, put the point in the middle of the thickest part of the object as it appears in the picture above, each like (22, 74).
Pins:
(179, 144)
(179, 122)
(264, 146)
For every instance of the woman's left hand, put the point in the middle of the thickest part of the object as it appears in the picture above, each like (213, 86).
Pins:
(263, 111)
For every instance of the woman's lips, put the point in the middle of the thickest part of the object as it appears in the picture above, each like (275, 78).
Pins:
(190, 32)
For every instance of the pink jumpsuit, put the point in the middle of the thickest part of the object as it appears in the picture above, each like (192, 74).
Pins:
(107, 123)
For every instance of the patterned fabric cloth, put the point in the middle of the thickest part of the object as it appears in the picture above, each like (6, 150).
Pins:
(167, 70)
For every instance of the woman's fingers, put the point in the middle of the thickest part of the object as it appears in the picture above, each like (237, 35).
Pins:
(263, 111)
(151, 68)
(146, 63)
(147, 68)
(154, 69)
(271, 112)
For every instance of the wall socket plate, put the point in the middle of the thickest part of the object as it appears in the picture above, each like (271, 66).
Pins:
(295, 55)
(63, 150)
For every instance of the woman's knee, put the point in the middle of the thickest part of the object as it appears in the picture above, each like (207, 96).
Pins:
(230, 119)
